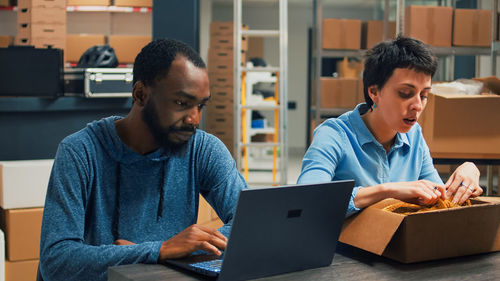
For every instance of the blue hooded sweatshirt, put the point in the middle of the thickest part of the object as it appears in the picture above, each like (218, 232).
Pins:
(100, 190)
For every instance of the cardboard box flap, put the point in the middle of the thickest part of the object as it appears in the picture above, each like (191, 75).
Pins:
(372, 229)
(491, 83)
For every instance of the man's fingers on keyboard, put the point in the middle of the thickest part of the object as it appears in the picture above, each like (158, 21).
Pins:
(213, 231)
(217, 242)
(206, 246)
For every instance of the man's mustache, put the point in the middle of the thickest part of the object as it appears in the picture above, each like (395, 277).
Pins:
(190, 129)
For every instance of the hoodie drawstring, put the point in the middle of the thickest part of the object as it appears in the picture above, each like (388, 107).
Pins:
(116, 220)
(162, 193)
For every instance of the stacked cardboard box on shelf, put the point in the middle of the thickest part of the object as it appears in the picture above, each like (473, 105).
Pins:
(432, 25)
(373, 32)
(474, 136)
(472, 27)
(128, 46)
(219, 114)
(89, 2)
(23, 186)
(133, 3)
(341, 92)
(41, 23)
(341, 34)
(77, 44)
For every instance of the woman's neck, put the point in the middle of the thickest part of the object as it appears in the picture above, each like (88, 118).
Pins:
(379, 129)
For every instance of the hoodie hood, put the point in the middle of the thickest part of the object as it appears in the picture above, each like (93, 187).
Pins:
(104, 131)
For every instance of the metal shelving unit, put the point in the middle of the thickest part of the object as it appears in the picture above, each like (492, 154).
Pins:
(318, 53)
(280, 145)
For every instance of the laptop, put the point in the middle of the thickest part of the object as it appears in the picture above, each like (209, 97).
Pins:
(277, 230)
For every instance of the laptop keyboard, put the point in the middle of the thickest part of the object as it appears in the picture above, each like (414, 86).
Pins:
(213, 265)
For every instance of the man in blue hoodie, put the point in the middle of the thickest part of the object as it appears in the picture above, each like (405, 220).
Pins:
(125, 190)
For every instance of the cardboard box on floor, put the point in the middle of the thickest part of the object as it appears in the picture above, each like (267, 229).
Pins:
(341, 34)
(425, 236)
(472, 27)
(21, 270)
(77, 44)
(23, 184)
(432, 25)
(462, 123)
(22, 228)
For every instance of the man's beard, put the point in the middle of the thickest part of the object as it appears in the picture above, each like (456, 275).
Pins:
(162, 134)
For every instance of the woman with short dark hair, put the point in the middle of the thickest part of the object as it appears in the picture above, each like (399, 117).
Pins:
(380, 144)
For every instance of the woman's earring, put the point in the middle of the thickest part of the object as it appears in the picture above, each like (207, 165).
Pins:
(374, 106)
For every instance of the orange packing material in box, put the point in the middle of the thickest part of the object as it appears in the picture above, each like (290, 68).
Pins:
(404, 208)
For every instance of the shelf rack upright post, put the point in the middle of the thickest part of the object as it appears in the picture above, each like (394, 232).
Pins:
(280, 141)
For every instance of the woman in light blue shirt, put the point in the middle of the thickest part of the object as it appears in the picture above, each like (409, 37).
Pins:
(380, 144)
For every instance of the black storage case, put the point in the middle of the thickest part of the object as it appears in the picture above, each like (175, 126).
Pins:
(98, 82)
(26, 71)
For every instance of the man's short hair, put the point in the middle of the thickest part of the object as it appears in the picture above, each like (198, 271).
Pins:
(401, 52)
(155, 59)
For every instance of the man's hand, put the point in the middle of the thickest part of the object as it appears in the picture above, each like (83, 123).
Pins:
(194, 238)
(123, 242)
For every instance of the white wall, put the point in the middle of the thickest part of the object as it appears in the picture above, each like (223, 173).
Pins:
(265, 16)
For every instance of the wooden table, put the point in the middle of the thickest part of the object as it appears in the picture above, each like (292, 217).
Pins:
(349, 263)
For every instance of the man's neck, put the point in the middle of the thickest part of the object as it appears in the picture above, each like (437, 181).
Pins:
(135, 134)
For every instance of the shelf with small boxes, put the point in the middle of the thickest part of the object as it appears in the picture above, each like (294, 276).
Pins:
(449, 31)
(76, 25)
(260, 123)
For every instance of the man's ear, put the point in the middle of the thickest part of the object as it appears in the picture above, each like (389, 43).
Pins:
(140, 93)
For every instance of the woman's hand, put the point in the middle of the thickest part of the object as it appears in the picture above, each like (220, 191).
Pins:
(463, 183)
(422, 192)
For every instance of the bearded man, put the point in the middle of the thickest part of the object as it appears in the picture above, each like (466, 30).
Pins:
(125, 190)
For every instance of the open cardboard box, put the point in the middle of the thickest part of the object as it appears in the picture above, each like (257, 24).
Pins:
(428, 235)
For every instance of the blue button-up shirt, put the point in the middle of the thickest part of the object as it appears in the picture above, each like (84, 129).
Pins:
(343, 148)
